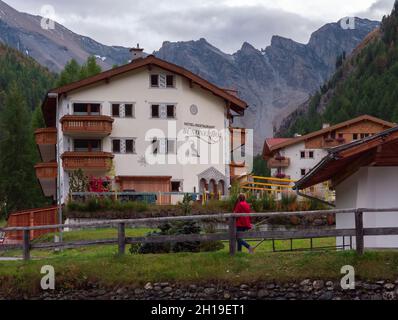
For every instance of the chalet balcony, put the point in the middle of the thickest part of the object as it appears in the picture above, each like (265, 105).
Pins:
(47, 173)
(90, 126)
(278, 162)
(331, 142)
(87, 161)
(46, 140)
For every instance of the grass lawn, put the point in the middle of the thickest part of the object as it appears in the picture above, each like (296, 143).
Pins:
(107, 269)
(109, 233)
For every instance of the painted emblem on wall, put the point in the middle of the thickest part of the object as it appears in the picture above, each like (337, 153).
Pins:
(194, 109)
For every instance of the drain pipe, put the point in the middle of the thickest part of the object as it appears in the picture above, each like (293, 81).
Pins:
(315, 199)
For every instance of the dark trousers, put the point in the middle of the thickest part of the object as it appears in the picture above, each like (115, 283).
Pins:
(242, 242)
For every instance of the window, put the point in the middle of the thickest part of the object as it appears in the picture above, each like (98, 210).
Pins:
(130, 146)
(171, 111)
(115, 110)
(128, 110)
(311, 154)
(116, 146)
(155, 111)
(302, 154)
(83, 109)
(170, 81)
(303, 172)
(87, 145)
(355, 136)
(176, 186)
(154, 80)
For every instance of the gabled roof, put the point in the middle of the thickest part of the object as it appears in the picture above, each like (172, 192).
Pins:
(341, 162)
(236, 104)
(271, 142)
(314, 134)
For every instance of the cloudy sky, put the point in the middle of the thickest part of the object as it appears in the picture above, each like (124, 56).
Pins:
(224, 23)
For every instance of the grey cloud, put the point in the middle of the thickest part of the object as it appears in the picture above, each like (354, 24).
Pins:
(150, 22)
(377, 10)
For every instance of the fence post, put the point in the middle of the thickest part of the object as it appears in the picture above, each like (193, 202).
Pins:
(121, 236)
(232, 236)
(26, 244)
(359, 232)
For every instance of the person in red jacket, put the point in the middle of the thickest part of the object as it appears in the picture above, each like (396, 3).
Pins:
(243, 223)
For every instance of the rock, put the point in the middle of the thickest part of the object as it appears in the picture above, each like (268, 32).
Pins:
(157, 288)
(148, 286)
(193, 287)
(262, 294)
(168, 289)
(227, 296)
(318, 284)
(271, 286)
(244, 287)
(138, 292)
(389, 286)
(291, 295)
(330, 284)
(210, 291)
(164, 284)
(390, 295)
(326, 296)
(306, 282)
(252, 294)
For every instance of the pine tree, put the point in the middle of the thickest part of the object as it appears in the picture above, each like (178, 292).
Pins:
(90, 68)
(18, 186)
(71, 73)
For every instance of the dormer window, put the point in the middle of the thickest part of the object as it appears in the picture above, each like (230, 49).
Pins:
(162, 81)
(155, 80)
(170, 81)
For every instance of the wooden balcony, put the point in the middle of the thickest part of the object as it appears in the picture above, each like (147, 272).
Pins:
(331, 143)
(87, 161)
(278, 162)
(94, 126)
(46, 140)
(47, 174)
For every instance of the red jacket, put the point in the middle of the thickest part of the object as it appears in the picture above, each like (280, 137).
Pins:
(243, 207)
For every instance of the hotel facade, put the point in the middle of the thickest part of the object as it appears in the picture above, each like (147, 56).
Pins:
(149, 126)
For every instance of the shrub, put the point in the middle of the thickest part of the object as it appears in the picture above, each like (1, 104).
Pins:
(186, 204)
(268, 202)
(177, 228)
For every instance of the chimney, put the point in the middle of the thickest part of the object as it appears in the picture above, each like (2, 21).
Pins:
(325, 125)
(137, 53)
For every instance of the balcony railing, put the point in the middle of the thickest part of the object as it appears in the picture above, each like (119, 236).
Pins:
(278, 162)
(47, 174)
(331, 142)
(97, 161)
(46, 140)
(46, 136)
(92, 125)
(46, 170)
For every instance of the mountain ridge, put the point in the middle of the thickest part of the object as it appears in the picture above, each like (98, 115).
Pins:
(273, 81)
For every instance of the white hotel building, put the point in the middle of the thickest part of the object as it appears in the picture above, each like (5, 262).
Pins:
(118, 122)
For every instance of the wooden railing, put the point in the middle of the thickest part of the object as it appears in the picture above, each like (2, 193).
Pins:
(87, 160)
(46, 170)
(99, 125)
(278, 163)
(359, 232)
(46, 136)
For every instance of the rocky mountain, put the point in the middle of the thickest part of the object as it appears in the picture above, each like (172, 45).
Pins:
(274, 81)
(366, 82)
(53, 47)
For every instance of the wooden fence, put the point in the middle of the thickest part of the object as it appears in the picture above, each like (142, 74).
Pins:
(35, 217)
(232, 235)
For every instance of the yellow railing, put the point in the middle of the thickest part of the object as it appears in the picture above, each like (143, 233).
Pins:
(271, 184)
